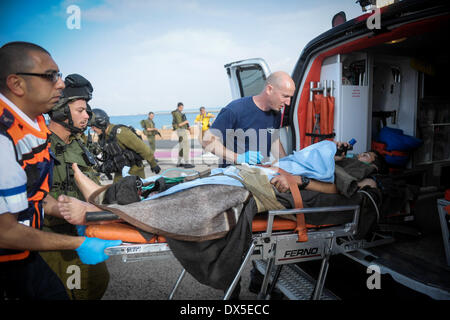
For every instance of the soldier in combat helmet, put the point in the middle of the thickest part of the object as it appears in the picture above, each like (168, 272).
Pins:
(69, 118)
(121, 146)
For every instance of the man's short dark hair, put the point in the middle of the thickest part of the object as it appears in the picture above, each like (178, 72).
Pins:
(151, 112)
(180, 104)
(380, 162)
(15, 57)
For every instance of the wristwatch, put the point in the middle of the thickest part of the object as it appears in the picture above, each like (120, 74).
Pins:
(305, 182)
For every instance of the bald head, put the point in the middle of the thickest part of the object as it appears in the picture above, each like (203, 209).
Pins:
(280, 79)
(277, 92)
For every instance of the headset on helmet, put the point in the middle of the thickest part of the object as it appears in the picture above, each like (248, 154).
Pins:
(77, 87)
(100, 119)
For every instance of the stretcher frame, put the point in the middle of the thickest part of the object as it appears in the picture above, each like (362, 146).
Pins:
(270, 245)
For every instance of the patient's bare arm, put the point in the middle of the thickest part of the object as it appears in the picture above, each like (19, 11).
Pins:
(281, 183)
(320, 186)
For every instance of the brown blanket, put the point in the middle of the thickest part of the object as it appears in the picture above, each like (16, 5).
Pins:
(196, 214)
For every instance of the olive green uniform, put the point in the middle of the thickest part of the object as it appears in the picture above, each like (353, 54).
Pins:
(94, 278)
(183, 135)
(127, 139)
(149, 134)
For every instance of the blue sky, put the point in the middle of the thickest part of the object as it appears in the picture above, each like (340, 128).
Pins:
(143, 55)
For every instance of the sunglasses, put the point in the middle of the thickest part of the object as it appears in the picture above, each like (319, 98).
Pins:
(53, 76)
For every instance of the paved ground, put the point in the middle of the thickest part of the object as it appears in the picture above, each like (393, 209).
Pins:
(154, 279)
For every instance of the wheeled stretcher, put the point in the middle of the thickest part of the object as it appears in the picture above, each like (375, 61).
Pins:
(274, 241)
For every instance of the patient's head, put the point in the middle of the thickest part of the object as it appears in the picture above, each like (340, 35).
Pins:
(374, 158)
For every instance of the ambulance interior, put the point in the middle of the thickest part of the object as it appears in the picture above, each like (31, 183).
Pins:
(402, 84)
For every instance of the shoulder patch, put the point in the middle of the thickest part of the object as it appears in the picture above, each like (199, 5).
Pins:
(7, 118)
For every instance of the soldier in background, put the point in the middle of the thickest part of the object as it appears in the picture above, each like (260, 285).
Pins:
(150, 131)
(181, 126)
(121, 146)
(69, 118)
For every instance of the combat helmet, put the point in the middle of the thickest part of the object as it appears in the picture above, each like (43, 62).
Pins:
(77, 87)
(100, 119)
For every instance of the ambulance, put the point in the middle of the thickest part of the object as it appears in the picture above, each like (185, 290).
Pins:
(384, 75)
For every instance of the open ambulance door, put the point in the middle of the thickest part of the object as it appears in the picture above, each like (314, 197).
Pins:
(247, 78)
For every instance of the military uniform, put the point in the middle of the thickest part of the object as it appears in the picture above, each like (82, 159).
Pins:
(183, 135)
(94, 278)
(66, 154)
(149, 134)
(127, 139)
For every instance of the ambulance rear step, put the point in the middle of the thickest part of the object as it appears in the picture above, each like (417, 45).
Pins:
(410, 271)
(294, 283)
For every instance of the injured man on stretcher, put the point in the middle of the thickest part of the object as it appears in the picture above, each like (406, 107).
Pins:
(316, 169)
(207, 222)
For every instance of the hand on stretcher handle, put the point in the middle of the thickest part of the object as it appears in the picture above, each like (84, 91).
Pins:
(92, 250)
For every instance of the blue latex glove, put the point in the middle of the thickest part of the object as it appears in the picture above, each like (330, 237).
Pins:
(92, 250)
(250, 157)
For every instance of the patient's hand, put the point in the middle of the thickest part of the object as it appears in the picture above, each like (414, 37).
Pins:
(281, 183)
(367, 182)
(340, 144)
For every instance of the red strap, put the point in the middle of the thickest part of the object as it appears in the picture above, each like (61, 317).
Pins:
(298, 203)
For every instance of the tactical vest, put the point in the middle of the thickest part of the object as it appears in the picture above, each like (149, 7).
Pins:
(178, 117)
(115, 157)
(148, 124)
(66, 155)
(32, 150)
